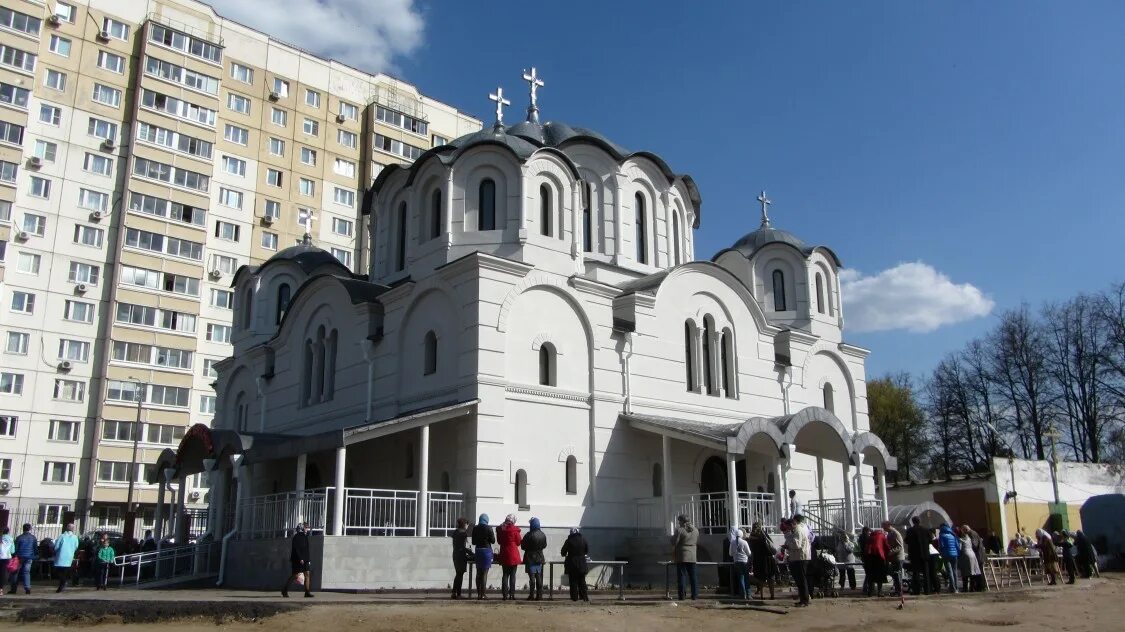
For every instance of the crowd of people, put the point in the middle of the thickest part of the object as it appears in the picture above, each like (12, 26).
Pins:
(67, 555)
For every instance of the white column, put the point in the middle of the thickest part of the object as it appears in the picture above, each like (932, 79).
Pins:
(302, 466)
(159, 526)
(820, 483)
(338, 501)
(883, 492)
(423, 529)
(849, 505)
(666, 484)
(858, 486)
(299, 486)
(783, 481)
(732, 491)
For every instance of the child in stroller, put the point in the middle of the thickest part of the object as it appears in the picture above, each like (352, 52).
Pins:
(822, 574)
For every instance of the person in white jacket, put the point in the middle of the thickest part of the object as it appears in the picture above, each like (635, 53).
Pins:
(740, 554)
(798, 552)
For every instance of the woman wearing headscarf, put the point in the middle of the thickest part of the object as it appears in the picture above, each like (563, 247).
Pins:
(1085, 555)
(533, 544)
(763, 558)
(967, 563)
(483, 539)
(739, 551)
(574, 551)
(508, 537)
(1050, 556)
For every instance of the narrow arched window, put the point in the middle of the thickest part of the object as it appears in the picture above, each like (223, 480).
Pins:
(708, 375)
(521, 490)
(545, 215)
(486, 205)
(642, 228)
(547, 375)
(318, 373)
(588, 220)
(307, 377)
(435, 214)
(728, 368)
(571, 475)
(429, 354)
(247, 307)
(445, 486)
(778, 291)
(408, 461)
(400, 244)
(819, 293)
(689, 354)
(283, 296)
(330, 366)
(657, 480)
(829, 399)
(675, 239)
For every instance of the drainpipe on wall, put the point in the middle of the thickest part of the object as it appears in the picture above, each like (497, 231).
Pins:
(369, 357)
(626, 353)
(236, 462)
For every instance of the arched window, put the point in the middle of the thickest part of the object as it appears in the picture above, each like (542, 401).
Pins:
(329, 366)
(689, 354)
(657, 480)
(318, 360)
(571, 475)
(708, 376)
(641, 222)
(588, 220)
(728, 368)
(675, 238)
(545, 214)
(283, 296)
(429, 354)
(247, 307)
(486, 205)
(547, 375)
(400, 244)
(819, 293)
(778, 291)
(445, 487)
(521, 490)
(829, 402)
(307, 377)
(408, 461)
(435, 214)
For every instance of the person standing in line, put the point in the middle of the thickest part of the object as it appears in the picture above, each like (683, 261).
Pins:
(845, 557)
(483, 538)
(684, 545)
(896, 555)
(950, 549)
(574, 551)
(65, 549)
(508, 537)
(1050, 556)
(799, 553)
(795, 506)
(461, 555)
(533, 545)
(1086, 556)
(27, 550)
(299, 562)
(763, 559)
(1068, 556)
(103, 561)
(865, 559)
(875, 562)
(739, 551)
(917, 548)
(7, 549)
(968, 564)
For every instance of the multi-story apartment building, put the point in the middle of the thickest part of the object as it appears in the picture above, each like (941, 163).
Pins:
(147, 150)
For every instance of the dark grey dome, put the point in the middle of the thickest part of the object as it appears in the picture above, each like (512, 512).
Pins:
(752, 242)
(306, 256)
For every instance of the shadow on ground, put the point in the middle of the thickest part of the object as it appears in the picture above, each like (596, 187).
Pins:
(94, 612)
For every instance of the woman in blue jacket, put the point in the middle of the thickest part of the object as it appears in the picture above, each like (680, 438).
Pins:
(950, 548)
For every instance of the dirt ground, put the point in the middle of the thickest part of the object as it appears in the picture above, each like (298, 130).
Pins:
(1092, 605)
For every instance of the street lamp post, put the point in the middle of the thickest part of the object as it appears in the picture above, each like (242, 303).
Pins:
(131, 509)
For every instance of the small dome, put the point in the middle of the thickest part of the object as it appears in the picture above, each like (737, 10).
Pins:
(752, 242)
(308, 257)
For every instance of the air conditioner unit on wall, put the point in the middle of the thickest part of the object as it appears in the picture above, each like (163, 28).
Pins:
(194, 495)
(339, 118)
(5, 486)
(267, 219)
(22, 235)
(274, 96)
(108, 144)
(65, 365)
(35, 162)
(53, 20)
(97, 215)
(216, 274)
(81, 288)
(103, 36)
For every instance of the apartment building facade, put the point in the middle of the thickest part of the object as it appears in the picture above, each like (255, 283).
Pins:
(147, 150)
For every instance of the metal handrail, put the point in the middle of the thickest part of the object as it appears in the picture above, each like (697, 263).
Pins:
(165, 563)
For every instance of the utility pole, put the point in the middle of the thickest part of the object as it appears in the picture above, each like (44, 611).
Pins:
(131, 508)
(1053, 434)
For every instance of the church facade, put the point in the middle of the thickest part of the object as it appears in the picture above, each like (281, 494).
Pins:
(536, 336)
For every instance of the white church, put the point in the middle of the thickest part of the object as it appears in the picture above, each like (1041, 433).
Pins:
(534, 335)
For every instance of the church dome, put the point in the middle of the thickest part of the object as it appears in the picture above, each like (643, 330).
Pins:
(758, 239)
(306, 256)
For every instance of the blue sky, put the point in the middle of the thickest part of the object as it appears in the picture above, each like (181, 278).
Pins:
(982, 139)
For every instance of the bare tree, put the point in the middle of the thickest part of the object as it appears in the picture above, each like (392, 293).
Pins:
(1019, 350)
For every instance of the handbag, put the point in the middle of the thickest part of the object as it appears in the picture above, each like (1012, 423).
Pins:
(13, 564)
(469, 555)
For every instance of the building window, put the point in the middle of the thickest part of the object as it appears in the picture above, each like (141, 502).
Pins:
(400, 244)
(109, 61)
(819, 293)
(708, 372)
(689, 353)
(106, 95)
(430, 354)
(486, 205)
(115, 29)
(342, 196)
(50, 114)
(343, 256)
(571, 475)
(58, 472)
(283, 296)
(5, 469)
(641, 228)
(521, 490)
(435, 214)
(23, 302)
(778, 291)
(269, 241)
(55, 80)
(347, 139)
(78, 311)
(657, 480)
(545, 210)
(60, 46)
(11, 383)
(349, 111)
(39, 187)
(238, 135)
(547, 374)
(675, 239)
(588, 220)
(19, 22)
(28, 263)
(17, 342)
(46, 150)
(312, 98)
(70, 390)
(238, 72)
(310, 127)
(74, 350)
(729, 369)
(8, 425)
(829, 401)
(306, 187)
(238, 103)
(61, 430)
(308, 156)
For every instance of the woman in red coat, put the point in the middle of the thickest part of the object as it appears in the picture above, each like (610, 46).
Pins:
(877, 554)
(508, 537)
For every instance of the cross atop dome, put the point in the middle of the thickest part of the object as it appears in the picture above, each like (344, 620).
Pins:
(765, 202)
(534, 83)
(498, 97)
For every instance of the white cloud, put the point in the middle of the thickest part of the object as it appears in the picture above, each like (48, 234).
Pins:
(911, 296)
(367, 34)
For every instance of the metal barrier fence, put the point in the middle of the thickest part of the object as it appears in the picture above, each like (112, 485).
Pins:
(380, 511)
(758, 507)
(444, 510)
(178, 561)
(276, 515)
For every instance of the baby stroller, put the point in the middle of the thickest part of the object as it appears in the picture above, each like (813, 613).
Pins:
(822, 574)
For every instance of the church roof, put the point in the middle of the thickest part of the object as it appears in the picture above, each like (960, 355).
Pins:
(525, 138)
(765, 235)
(307, 257)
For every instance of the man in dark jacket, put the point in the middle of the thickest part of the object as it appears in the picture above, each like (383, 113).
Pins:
(533, 543)
(918, 552)
(574, 551)
(684, 547)
(299, 561)
(27, 549)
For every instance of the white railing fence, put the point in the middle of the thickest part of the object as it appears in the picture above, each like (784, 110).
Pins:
(708, 512)
(277, 515)
(758, 507)
(869, 512)
(828, 516)
(366, 512)
(444, 510)
(380, 511)
(178, 561)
